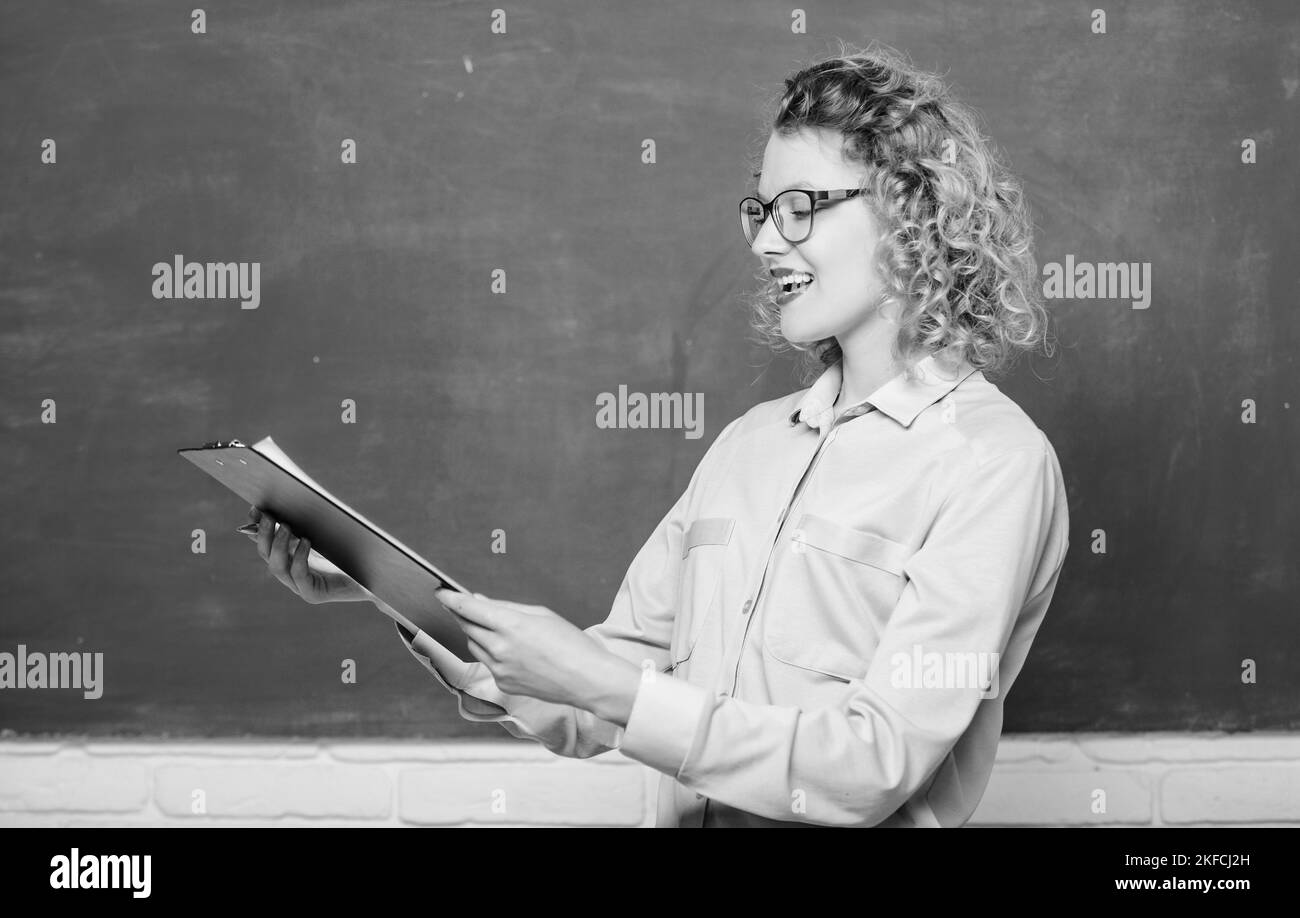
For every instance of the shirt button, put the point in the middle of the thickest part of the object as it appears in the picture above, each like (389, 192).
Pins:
(748, 604)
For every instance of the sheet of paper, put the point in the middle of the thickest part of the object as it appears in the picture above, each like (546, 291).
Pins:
(268, 447)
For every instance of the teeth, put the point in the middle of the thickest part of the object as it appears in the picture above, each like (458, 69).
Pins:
(794, 281)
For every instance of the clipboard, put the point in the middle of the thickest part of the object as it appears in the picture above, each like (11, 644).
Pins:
(266, 478)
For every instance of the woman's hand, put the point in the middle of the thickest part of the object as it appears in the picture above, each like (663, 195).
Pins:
(290, 559)
(532, 651)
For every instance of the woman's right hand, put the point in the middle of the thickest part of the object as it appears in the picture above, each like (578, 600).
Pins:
(290, 559)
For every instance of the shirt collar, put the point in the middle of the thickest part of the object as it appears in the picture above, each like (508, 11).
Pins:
(899, 398)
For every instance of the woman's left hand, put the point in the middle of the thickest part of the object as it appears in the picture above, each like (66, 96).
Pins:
(529, 650)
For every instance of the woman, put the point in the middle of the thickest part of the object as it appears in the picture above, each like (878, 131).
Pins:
(822, 630)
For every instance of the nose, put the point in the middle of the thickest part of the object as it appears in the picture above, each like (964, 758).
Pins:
(768, 241)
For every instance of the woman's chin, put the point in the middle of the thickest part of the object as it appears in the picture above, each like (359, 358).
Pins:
(798, 331)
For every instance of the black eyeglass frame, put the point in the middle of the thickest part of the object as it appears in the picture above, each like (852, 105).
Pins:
(769, 210)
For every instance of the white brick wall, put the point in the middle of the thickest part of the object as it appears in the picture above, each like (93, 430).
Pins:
(498, 782)
(1053, 779)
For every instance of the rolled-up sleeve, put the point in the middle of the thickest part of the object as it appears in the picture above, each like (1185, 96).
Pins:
(983, 560)
(638, 628)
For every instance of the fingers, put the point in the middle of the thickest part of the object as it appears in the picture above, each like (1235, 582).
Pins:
(278, 556)
(469, 608)
(265, 533)
(271, 534)
(517, 606)
(475, 633)
(250, 528)
(284, 553)
(511, 604)
(299, 573)
(478, 652)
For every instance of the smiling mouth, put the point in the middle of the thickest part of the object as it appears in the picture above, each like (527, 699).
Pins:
(790, 287)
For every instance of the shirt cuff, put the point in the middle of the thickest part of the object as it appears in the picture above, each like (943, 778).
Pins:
(666, 714)
(459, 677)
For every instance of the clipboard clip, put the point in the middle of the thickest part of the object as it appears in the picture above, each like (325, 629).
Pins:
(217, 444)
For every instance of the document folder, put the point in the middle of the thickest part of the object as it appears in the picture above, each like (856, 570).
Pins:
(266, 478)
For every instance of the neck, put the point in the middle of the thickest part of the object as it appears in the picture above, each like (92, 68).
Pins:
(866, 364)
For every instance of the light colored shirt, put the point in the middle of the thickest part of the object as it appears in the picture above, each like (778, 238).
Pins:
(830, 617)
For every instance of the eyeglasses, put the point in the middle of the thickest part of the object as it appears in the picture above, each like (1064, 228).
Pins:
(793, 210)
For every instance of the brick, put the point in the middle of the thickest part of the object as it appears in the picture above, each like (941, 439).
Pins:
(1244, 793)
(274, 789)
(571, 792)
(1056, 796)
(33, 820)
(1181, 747)
(72, 781)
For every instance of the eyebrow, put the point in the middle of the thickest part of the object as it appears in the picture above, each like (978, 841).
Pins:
(800, 184)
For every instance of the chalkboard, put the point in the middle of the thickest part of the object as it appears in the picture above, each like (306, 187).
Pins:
(484, 158)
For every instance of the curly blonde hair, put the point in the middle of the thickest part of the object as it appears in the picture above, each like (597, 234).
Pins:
(955, 252)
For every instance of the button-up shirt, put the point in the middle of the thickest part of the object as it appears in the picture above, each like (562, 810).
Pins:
(829, 618)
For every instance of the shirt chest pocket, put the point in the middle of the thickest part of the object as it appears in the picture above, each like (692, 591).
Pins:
(838, 587)
(703, 546)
